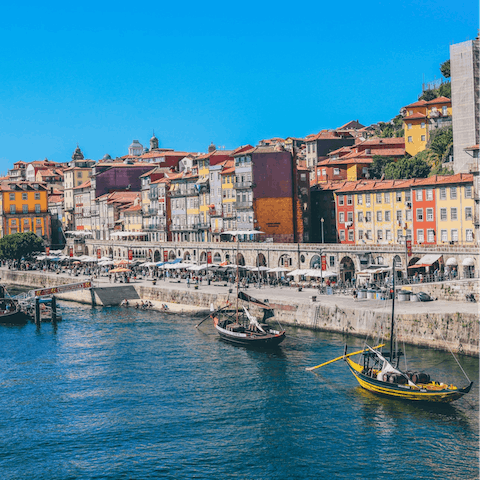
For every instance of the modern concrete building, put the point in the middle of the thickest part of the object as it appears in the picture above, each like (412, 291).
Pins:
(465, 74)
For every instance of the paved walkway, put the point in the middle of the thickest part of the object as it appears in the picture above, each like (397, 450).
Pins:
(290, 295)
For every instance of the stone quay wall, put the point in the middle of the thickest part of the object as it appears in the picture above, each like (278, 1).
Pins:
(458, 332)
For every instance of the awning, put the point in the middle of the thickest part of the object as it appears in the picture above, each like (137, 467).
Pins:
(451, 262)
(468, 262)
(428, 260)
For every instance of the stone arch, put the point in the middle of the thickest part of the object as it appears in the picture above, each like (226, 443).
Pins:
(413, 261)
(240, 259)
(398, 261)
(285, 261)
(347, 269)
(110, 252)
(171, 255)
(203, 257)
(217, 257)
(261, 260)
(315, 262)
(380, 260)
(187, 256)
(156, 256)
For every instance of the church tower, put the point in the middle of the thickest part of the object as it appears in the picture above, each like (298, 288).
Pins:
(154, 142)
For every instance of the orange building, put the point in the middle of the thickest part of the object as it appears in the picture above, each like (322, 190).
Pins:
(25, 209)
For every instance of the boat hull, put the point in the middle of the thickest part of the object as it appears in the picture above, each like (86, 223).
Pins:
(427, 393)
(13, 318)
(268, 340)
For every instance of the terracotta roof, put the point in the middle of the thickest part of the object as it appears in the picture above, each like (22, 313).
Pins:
(355, 124)
(324, 134)
(55, 198)
(86, 184)
(445, 179)
(414, 116)
(161, 180)
(420, 103)
(383, 141)
(133, 208)
(438, 100)
(472, 148)
(343, 150)
(122, 197)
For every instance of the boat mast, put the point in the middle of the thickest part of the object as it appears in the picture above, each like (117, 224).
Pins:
(238, 282)
(393, 312)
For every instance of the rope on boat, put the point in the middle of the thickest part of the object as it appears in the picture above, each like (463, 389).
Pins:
(453, 355)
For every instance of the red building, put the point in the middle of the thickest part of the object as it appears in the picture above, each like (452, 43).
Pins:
(345, 215)
(423, 212)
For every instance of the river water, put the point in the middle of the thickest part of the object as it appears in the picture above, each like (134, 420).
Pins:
(124, 394)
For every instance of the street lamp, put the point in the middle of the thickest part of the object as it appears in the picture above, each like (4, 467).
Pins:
(321, 221)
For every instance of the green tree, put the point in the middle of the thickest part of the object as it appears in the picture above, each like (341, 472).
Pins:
(445, 68)
(18, 245)
(441, 143)
(445, 90)
(428, 95)
(378, 165)
(407, 168)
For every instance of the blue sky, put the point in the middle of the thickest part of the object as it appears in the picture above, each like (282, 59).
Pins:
(103, 73)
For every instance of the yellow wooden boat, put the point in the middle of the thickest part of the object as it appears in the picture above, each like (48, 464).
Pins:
(379, 373)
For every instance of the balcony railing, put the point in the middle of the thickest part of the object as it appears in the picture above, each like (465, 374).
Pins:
(246, 204)
(246, 184)
(184, 193)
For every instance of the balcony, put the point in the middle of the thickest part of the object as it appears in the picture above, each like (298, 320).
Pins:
(203, 226)
(246, 184)
(184, 192)
(476, 219)
(244, 205)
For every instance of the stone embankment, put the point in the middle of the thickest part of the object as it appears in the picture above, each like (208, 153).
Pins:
(446, 325)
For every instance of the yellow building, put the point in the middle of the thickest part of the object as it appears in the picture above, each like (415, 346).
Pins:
(228, 197)
(25, 209)
(421, 119)
(454, 209)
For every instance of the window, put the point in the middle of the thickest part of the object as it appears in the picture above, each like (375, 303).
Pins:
(444, 235)
(368, 216)
(420, 214)
(379, 235)
(399, 235)
(349, 199)
(336, 171)
(410, 140)
(468, 213)
(399, 215)
(25, 208)
(360, 199)
(430, 235)
(453, 193)
(388, 235)
(454, 235)
(24, 196)
(349, 216)
(398, 196)
(37, 208)
(408, 196)
(468, 191)
(350, 235)
(453, 214)
(342, 235)
(443, 193)
(379, 198)
(409, 126)
(444, 110)
(341, 200)
(324, 171)
(410, 112)
(388, 214)
(360, 234)
(408, 234)
(469, 235)
(368, 235)
(341, 217)
(420, 237)
(429, 214)
(303, 177)
(443, 214)
(429, 194)
(422, 125)
(13, 222)
(12, 196)
(360, 216)
(367, 199)
(422, 138)
(387, 197)
(79, 174)
(408, 215)
(419, 195)
(379, 216)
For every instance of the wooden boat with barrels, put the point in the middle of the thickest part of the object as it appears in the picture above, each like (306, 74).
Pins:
(379, 372)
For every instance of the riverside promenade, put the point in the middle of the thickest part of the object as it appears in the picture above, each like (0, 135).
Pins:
(440, 324)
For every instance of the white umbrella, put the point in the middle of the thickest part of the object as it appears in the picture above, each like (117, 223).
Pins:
(278, 269)
(241, 232)
(297, 272)
(105, 263)
(197, 268)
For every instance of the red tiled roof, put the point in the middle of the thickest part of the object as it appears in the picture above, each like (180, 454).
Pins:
(414, 116)
(133, 208)
(83, 185)
(420, 103)
(55, 198)
(472, 148)
(438, 100)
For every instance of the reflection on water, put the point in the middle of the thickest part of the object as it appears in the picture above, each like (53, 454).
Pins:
(121, 393)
